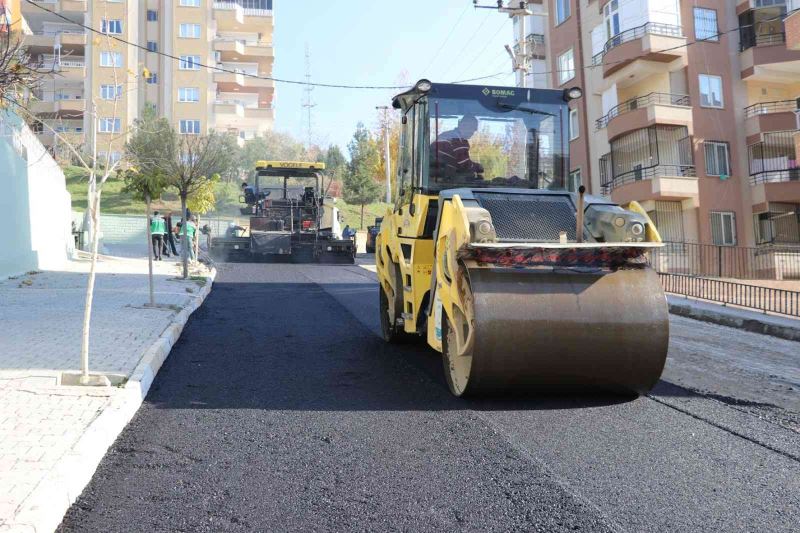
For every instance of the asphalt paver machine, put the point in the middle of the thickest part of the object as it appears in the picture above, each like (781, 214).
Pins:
(291, 218)
(520, 282)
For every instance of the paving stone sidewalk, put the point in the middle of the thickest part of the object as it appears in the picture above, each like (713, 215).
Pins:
(42, 422)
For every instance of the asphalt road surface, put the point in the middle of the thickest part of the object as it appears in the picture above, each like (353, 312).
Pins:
(281, 409)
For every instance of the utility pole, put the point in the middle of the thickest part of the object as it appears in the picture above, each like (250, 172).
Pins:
(386, 157)
(515, 8)
(308, 104)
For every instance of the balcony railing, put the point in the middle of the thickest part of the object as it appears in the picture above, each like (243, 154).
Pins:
(245, 105)
(648, 173)
(651, 28)
(776, 176)
(763, 108)
(761, 39)
(244, 42)
(639, 102)
(54, 33)
(245, 8)
(532, 40)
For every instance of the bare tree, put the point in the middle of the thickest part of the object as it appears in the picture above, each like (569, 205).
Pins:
(19, 76)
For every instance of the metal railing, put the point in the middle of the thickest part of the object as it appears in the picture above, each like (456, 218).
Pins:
(765, 299)
(776, 176)
(647, 173)
(762, 39)
(244, 9)
(763, 108)
(740, 262)
(244, 42)
(533, 39)
(651, 28)
(681, 100)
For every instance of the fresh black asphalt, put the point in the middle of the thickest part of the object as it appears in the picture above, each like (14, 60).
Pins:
(280, 409)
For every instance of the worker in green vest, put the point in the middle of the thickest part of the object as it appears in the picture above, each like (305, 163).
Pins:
(157, 230)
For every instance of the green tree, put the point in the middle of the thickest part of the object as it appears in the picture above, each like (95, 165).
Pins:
(270, 146)
(360, 186)
(335, 162)
(144, 179)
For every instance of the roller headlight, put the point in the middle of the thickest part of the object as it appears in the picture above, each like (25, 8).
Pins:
(637, 228)
(485, 228)
(619, 222)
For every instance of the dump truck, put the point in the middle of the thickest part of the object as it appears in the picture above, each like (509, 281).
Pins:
(291, 219)
(520, 283)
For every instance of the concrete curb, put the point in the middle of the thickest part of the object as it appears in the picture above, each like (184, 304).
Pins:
(774, 326)
(44, 509)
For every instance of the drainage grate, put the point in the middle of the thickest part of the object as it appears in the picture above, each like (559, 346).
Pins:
(529, 217)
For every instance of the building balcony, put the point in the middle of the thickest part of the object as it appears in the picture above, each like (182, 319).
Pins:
(644, 111)
(770, 116)
(660, 182)
(66, 108)
(229, 46)
(227, 81)
(243, 114)
(654, 42)
(47, 40)
(233, 16)
(781, 186)
(59, 6)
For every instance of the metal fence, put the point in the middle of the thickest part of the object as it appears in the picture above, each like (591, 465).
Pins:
(766, 299)
(739, 262)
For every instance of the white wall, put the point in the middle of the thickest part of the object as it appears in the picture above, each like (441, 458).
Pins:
(35, 207)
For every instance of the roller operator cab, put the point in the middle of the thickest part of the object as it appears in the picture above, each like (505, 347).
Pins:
(518, 282)
(290, 218)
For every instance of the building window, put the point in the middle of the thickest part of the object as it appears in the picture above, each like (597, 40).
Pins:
(723, 228)
(109, 125)
(717, 159)
(574, 180)
(189, 31)
(152, 46)
(110, 59)
(705, 24)
(111, 26)
(566, 67)
(111, 92)
(574, 125)
(189, 63)
(190, 3)
(152, 79)
(190, 127)
(113, 157)
(562, 11)
(152, 15)
(188, 94)
(710, 91)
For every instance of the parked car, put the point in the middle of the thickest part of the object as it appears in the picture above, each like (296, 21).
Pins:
(372, 234)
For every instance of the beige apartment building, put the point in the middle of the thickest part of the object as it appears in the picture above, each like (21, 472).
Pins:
(100, 85)
(689, 107)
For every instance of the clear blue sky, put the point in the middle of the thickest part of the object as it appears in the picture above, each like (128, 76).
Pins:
(377, 42)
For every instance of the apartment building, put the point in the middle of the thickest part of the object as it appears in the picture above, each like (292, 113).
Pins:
(689, 107)
(101, 84)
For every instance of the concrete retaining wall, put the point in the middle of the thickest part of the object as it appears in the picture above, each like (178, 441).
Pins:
(34, 204)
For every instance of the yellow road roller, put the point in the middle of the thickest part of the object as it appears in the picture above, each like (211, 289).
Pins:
(495, 257)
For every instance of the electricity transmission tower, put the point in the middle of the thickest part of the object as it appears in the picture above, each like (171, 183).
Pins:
(308, 104)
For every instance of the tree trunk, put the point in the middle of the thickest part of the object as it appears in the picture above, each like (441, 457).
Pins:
(94, 208)
(184, 239)
(362, 217)
(88, 225)
(149, 251)
(197, 240)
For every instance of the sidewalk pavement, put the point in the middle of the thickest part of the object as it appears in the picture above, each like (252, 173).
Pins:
(53, 436)
(783, 327)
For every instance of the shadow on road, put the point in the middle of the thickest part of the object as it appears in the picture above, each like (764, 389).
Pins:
(291, 346)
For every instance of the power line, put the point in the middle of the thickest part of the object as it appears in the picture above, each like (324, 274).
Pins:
(229, 71)
(469, 42)
(483, 50)
(446, 39)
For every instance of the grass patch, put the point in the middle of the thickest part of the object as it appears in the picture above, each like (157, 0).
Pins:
(116, 202)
